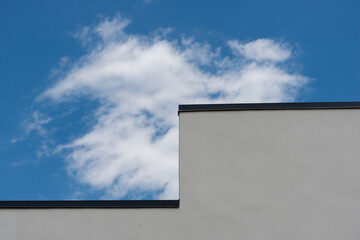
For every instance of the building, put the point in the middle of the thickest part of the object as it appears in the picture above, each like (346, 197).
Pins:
(247, 171)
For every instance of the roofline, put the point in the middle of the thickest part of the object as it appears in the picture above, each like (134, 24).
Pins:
(267, 106)
(92, 204)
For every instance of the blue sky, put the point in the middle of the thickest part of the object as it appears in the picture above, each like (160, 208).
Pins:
(89, 89)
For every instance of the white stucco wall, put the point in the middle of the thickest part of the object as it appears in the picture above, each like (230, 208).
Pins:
(279, 174)
(274, 175)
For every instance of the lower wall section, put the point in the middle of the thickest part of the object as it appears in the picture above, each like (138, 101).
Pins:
(87, 224)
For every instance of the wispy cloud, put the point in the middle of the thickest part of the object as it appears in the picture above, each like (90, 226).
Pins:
(139, 81)
(18, 163)
(36, 123)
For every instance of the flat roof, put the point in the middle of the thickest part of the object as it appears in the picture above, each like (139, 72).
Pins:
(91, 204)
(267, 106)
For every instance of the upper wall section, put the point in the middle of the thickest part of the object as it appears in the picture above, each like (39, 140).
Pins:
(271, 171)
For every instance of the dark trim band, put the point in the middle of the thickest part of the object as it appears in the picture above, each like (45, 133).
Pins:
(92, 204)
(268, 106)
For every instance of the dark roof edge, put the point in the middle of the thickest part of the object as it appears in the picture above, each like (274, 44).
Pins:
(267, 106)
(92, 204)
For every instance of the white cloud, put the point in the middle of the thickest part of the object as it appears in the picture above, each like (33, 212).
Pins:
(110, 29)
(140, 80)
(263, 50)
